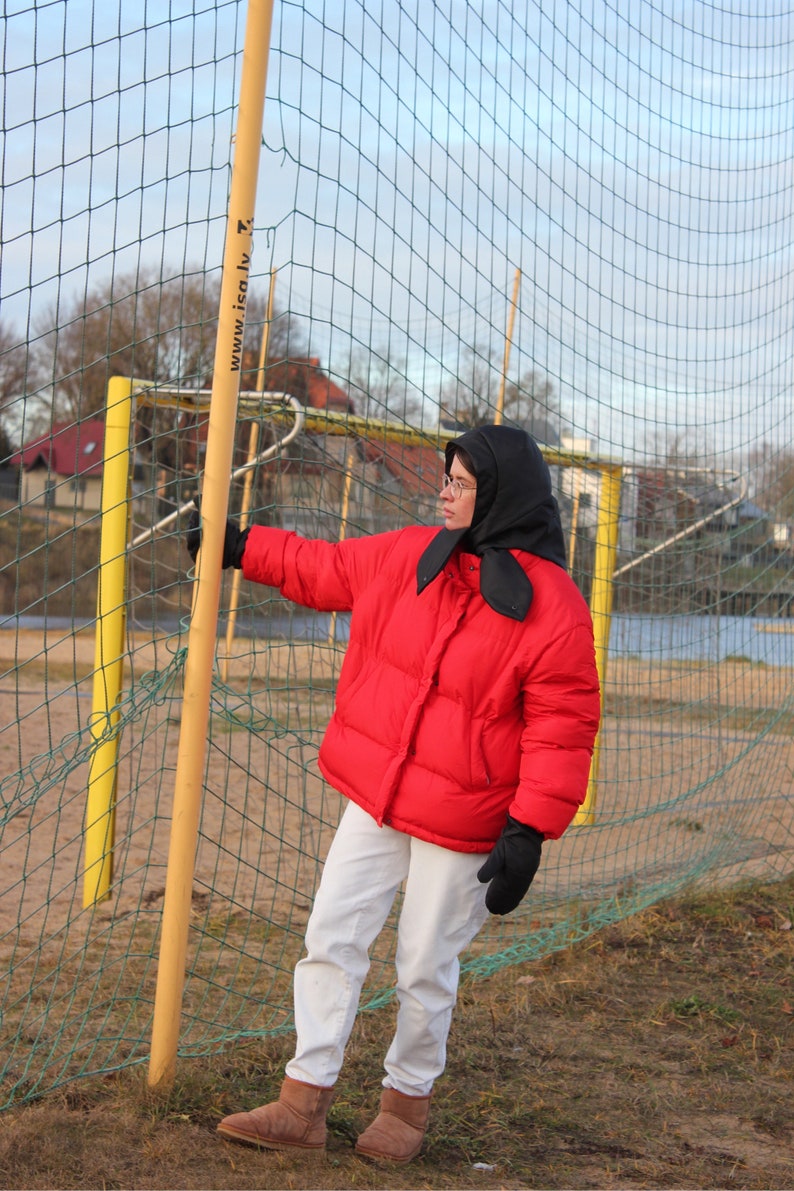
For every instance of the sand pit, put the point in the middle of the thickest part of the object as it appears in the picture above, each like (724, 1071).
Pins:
(688, 758)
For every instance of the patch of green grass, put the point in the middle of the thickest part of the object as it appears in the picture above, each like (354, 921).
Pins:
(695, 1006)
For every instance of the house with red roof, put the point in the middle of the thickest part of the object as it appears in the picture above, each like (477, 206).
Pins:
(305, 380)
(319, 481)
(368, 482)
(62, 468)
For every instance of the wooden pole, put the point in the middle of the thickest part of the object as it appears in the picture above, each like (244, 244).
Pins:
(500, 401)
(350, 460)
(199, 662)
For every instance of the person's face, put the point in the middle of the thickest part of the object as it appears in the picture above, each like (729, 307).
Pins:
(458, 511)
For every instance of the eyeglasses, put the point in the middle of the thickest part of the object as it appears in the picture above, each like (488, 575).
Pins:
(456, 488)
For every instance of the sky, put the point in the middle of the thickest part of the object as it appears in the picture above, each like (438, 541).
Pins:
(632, 161)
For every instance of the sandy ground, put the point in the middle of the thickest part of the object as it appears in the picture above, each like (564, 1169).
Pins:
(46, 700)
(694, 783)
(693, 770)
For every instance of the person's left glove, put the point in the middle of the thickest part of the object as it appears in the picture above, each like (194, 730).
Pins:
(233, 543)
(511, 866)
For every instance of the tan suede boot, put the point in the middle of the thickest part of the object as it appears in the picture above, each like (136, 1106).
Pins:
(295, 1121)
(397, 1133)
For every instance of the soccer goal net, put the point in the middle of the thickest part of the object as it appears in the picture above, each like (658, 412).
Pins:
(574, 221)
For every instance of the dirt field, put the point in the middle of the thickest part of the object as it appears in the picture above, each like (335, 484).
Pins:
(656, 1054)
(685, 752)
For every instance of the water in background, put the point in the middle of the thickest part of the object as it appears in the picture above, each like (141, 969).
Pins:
(655, 638)
(703, 638)
(700, 638)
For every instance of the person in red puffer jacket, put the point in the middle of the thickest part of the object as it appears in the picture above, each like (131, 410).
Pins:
(463, 728)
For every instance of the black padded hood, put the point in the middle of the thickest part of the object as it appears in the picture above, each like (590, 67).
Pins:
(514, 510)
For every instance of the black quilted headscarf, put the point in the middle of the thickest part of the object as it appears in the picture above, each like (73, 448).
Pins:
(514, 510)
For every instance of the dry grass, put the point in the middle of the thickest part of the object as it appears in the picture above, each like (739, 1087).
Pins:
(659, 1054)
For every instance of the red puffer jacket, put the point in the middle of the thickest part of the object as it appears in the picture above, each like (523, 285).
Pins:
(448, 715)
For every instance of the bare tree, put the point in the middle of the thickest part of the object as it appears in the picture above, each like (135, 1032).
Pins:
(13, 366)
(133, 325)
(380, 387)
(286, 339)
(13, 384)
(531, 403)
(472, 397)
(152, 328)
(772, 472)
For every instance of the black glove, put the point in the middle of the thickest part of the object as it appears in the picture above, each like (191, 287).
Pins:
(233, 542)
(511, 866)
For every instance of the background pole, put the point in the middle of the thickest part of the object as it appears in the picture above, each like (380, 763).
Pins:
(500, 400)
(248, 482)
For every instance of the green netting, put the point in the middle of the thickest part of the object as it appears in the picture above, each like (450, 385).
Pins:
(576, 214)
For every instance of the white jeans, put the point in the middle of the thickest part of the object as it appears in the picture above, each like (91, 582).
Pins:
(443, 909)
